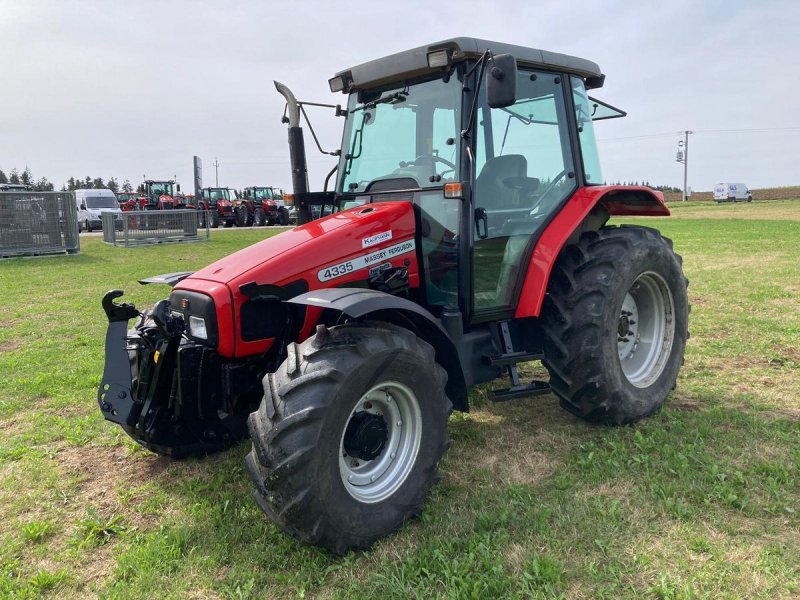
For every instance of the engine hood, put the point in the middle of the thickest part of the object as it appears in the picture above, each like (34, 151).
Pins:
(302, 251)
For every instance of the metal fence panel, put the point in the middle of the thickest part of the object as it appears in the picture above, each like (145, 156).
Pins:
(139, 228)
(37, 223)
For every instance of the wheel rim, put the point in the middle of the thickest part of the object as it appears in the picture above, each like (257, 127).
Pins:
(385, 454)
(646, 329)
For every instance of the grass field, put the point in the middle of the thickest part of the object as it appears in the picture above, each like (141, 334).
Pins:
(701, 500)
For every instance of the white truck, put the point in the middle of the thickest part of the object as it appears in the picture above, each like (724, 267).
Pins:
(92, 204)
(732, 192)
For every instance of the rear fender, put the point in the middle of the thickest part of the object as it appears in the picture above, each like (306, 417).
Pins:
(358, 303)
(588, 209)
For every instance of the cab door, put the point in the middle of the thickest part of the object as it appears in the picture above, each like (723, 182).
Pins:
(524, 172)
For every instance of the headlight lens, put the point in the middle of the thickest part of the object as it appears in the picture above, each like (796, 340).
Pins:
(197, 327)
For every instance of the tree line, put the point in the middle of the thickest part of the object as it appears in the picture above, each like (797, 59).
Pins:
(42, 184)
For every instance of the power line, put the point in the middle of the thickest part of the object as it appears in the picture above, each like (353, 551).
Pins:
(712, 131)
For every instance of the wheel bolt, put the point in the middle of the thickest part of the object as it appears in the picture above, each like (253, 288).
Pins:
(349, 478)
(392, 455)
(399, 423)
(372, 478)
(354, 463)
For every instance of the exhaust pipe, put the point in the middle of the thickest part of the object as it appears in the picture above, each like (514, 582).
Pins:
(297, 148)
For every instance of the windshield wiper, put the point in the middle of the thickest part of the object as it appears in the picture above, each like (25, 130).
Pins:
(395, 98)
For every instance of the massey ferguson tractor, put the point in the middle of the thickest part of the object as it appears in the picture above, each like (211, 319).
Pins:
(160, 195)
(262, 206)
(468, 234)
(217, 203)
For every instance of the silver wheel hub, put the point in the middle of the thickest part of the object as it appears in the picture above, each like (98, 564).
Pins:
(380, 442)
(645, 329)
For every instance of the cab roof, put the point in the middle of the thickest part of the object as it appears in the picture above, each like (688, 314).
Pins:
(413, 63)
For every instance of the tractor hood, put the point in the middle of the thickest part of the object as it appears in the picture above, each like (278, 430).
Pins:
(301, 252)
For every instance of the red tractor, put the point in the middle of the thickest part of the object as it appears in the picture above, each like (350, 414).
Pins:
(129, 201)
(476, 239)
(160, 195)
(217, 203)
(262, 206)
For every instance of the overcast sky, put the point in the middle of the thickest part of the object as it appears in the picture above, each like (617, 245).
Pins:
(124, 89)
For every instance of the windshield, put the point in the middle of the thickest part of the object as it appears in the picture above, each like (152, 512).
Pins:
(101, 202)
(263, 194)
(406, 134)
(160, 188)
(216, 194)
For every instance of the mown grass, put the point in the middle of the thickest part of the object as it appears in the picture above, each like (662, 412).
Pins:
(700, 500)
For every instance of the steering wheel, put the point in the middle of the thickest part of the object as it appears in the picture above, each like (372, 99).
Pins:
(550, 187)
(430, 160)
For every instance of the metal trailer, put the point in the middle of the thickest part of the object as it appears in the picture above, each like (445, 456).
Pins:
(140, 228)
(38, 223)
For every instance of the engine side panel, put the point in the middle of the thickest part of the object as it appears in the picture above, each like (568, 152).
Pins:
(339, 250)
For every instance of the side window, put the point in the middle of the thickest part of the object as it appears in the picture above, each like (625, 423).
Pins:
(445, 129)
(584, 112)
(524, 172)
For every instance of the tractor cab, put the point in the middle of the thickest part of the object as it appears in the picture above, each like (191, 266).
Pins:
(487, 140)
(160, 195)
(263, 206)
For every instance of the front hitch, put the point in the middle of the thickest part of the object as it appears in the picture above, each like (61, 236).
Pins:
(114, 396)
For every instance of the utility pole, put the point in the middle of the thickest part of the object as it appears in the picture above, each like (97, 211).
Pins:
(683, 157)
(216, 172)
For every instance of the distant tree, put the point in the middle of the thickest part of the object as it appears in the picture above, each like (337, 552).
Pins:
(113, 184)
(43, 185)
(3, 178)
(97, 183)
(140, 189)
(87, 184)
(127, 187)
(27, 177)
(14, 177)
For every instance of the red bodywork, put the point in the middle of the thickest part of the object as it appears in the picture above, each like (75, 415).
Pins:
(301, 253)
(617, 200)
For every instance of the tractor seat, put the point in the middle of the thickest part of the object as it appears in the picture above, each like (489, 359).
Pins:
(491, 188)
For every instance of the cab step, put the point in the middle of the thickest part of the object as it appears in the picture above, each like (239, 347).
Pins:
(535, 388)
(512, 358)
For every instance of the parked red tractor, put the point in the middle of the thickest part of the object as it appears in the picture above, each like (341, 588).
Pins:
(477, 239)
(262, 206)
(160, 195)
(217, 203)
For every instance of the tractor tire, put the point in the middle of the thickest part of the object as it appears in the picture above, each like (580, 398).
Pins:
(201, 219)
(283, 217)
(349, 435)
(213, 219)
(607, 295)
(259, 217)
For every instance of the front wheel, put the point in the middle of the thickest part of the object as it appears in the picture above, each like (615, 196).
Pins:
(348, 437)
(213, 219)
(615, 324)
(259, 218)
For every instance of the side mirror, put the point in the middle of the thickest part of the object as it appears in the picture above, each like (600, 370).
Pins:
(179, 188)
(83, 206)
(501, 81)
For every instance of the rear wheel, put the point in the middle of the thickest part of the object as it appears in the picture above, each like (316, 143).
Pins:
(348, 437)
(615, 323)
(213, 219)
(283, 217)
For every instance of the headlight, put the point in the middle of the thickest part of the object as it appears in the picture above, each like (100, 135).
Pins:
(197, 327)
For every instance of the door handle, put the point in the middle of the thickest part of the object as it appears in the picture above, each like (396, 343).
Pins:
(481, 217)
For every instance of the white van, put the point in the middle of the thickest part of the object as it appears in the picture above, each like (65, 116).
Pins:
(732, 192)
(91, 205)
